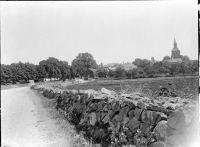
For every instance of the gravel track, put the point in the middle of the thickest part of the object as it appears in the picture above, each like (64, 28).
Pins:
(29, 120)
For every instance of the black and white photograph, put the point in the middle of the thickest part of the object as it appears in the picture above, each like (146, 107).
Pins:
(100, 74)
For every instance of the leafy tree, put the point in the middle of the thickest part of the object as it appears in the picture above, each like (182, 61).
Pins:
(82, 62)
(137, 62)
(152, 59)
(65, 70)
(102, 73)
(72, 72)
(135, 73)
(185, 58)
(120, 72)
(111, 73)
(166, 58)
(41, 73)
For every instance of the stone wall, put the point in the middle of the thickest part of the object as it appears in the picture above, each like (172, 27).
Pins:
(128, 119)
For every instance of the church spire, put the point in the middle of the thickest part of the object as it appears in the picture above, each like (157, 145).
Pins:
(175, 44)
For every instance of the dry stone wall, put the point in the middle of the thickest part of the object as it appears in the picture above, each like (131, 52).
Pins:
(128, 119)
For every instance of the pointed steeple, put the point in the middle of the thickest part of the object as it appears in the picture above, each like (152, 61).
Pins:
(175, 44)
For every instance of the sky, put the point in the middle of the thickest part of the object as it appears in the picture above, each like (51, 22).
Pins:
(115, 31)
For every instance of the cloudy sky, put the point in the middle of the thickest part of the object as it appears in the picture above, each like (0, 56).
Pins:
(110, 31)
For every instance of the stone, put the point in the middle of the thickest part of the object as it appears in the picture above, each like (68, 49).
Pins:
(101, 96)
(131, 105)
(101, 105)
(131, 114)
(144, 117)
(74, 92)
(106, 119)
(179, 119)
(125, 121)
(93, 106)
(106, 91)
(117, 118)
(103, 114)
(170, 106)
(84, 118)
(134, 124)
(137, 113)
(162, 130)
(93, 118)
(116, 106)
(141, 104)
(145, 128)
(146, 100)
(98, 115)
(123, 111)
(160, 116)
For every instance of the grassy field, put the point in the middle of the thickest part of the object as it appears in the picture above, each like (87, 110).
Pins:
(185, 88)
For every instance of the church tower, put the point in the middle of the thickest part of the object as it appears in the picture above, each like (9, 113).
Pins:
(175, 51)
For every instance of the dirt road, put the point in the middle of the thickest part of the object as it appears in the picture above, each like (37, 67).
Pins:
(28, 120)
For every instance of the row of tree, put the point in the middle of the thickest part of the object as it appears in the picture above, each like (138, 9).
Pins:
(54, 68)
(147, 69)
(50, 68)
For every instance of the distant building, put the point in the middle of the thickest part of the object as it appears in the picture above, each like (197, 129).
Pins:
(179, 60)
(129, 66)
(126, 66)
(111, 66)
(90, 73)
(175, 51)
(175, 54)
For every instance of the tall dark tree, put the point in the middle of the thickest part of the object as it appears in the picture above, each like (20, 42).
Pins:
(65, 70)
(137, 62)
(82, 62)
(120, 72)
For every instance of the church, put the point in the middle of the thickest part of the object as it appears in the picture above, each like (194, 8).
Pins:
(175, 54)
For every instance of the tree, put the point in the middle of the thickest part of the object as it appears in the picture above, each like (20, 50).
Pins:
(65, 70)
(152, 59)
(102, 73)
(185, 59)
(82, 62)
(111, 73)
(137, 62)
(120, 72)
(41, 72)
(166, 58)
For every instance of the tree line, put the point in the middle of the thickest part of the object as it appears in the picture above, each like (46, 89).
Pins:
(54, 68)
(50, 68)
(151, 68)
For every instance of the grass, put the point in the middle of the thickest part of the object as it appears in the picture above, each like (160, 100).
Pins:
(184, 88)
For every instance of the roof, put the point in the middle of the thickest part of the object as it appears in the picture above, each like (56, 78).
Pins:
(176, 60)
(110, 64)
(128, 66)
(175, 46)
(175, 49)
(93, 70)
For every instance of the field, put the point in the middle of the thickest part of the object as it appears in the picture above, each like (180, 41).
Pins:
(185, 88)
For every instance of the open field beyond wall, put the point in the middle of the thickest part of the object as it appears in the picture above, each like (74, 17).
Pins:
(184, 87)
